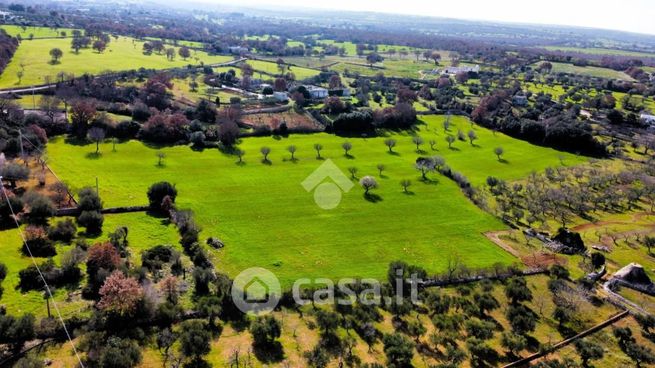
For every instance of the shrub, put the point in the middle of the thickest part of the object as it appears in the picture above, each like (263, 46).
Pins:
(14, 173)
(37, 243)
(153, 258)
(120, 353)
(89, 200)
(358, 121)
(265, 330)
(162, 128)
(54, 128)
(398, 349)
(63, 231)
(140, 112)
(197, 138)
(40, 208)
(158, 191)
(127, 129)
(92, 221)
(14, 203)
(102, 256)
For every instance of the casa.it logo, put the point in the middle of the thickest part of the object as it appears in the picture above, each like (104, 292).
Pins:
(327, 193)
(256, 291)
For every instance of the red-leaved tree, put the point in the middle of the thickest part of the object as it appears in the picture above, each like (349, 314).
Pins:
(120, 294)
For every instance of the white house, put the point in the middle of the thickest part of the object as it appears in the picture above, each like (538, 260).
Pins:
(647, 119)
(281, 96)
(459, 69)
(520, 100)
(238, 50)
(317, 93)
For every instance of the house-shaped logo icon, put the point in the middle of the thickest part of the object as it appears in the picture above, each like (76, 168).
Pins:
(256, 290)
(327, 194)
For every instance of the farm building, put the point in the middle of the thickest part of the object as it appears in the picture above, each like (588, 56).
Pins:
(633, 273)
(238, 50)
(317, 93)
(281, 96)
(519, 100)
(459, 69)
(647, 119)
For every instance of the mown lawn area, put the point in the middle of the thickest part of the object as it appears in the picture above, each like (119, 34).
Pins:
(123, 53)
(36, 32)
(266, 218)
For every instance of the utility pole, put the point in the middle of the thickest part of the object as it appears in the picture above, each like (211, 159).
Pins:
(20, 141)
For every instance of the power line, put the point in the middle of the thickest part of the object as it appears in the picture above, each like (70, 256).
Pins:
(47, 287)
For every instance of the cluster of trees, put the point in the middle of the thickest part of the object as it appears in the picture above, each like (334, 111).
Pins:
(97, 40)
(400, 116)
(8, 46)
(583, 190)
(544, 124)
(90, 207)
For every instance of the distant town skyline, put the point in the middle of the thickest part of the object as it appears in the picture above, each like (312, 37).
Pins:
(630, 15)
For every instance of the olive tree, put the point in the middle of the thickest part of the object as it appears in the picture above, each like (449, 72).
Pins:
(381, 168)
(318, 147)
(472, 136)
(56, 54)
(390, 143)
(292, 150)
(405, 183)
(498, 151)
(368, 183)
(97, 135)
(418, 141)
(353, 171)
(14, 173)
(450, 139)
(265, 152)
(347, 146)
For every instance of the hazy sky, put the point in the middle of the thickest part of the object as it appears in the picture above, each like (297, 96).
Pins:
(626, 15)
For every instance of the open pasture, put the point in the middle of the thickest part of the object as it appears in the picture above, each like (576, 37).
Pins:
(266, 218)
(36, 32)
(123, 53)
(588, 71)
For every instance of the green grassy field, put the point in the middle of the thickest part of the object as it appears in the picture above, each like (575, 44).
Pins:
(179, 42)
(123, 53)
(271, 68)
(36, 32)
(590, 71)
(599, 51)
(267, 219)
(182, 90)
